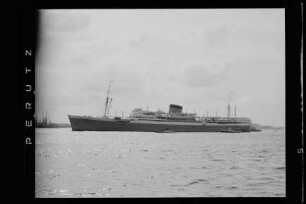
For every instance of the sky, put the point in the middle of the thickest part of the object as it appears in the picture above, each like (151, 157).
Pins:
(157, 57)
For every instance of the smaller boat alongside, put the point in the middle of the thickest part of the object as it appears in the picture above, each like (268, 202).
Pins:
(230, 131)
(165, 131)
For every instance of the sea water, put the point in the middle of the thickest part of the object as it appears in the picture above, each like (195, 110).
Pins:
(138, 164)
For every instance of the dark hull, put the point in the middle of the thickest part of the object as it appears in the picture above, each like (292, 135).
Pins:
(79, 123)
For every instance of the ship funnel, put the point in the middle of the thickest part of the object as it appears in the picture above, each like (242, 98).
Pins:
(175, 109)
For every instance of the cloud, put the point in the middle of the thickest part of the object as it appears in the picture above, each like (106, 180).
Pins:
(140, 40)
(201, 74)
(217, 35)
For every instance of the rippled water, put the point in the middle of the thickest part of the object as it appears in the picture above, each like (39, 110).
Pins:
(136, 164)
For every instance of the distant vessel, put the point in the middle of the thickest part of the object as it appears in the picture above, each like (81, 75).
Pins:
(43, 122)
(147, 121)
(255, 128)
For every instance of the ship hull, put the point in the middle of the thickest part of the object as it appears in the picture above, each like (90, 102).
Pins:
(81, 123)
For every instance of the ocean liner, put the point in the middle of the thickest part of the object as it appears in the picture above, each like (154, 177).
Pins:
(158, 121)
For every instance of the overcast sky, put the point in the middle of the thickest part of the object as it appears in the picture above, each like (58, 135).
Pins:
(189, 57)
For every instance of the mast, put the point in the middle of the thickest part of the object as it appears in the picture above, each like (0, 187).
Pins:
(107, 99)
(229, 105)
(45, 119)
(235, 111)
(48, 118)
(110, 103)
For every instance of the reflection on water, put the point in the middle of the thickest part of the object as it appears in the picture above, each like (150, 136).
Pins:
(135, 164)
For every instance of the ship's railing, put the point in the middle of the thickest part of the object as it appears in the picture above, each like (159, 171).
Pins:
(226, 120)
(175, 120)
(185, 117)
